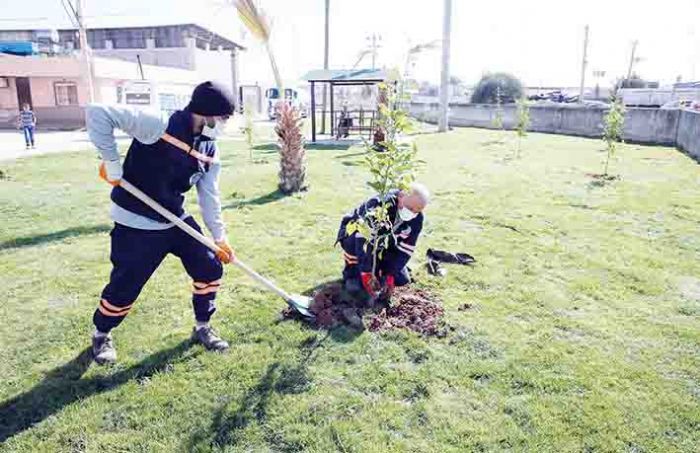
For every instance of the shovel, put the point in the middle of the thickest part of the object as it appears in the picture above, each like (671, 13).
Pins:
(298, 303)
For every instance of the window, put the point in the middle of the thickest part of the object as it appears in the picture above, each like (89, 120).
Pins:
(129, 38)
(169, 37)
(66, 93)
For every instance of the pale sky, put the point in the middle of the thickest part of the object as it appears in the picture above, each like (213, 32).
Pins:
(540, 41)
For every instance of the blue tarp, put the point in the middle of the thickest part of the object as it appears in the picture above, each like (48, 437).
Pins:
(18, 47)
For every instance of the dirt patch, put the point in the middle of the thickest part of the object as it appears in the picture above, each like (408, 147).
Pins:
(410, 308)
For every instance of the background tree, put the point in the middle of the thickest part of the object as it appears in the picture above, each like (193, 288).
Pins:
(292, 172)
(498, 113)
(523, 122)
(612, 132)
(248, 128)
(290, 139)
(487, 89)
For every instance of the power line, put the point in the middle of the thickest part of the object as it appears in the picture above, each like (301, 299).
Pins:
(71, 17)
(75, 13)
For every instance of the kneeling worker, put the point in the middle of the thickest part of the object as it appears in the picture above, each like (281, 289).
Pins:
(406, 216)
(141, 237)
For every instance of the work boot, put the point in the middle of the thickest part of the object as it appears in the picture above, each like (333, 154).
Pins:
(209, 339)
(103, 351)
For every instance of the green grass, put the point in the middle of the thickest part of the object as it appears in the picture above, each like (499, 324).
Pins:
(583, 336)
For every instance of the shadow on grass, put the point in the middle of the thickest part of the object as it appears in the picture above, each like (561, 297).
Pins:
(266, 147)
(258, 201)
(29, 241)
(329, 146)
(279, 378)
(345, 156)
(63, 386)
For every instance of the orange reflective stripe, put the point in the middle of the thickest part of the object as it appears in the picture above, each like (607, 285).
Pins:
(204, 284)
(186, 148)
(111, 307)
(106, 312)
(208, 290)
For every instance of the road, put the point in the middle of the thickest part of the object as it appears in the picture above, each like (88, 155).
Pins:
(12, 143)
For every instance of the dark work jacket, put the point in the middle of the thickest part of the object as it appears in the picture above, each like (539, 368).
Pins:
(163, 171)
(401, 245)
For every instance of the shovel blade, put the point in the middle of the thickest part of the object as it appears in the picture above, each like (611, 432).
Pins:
(301, 305)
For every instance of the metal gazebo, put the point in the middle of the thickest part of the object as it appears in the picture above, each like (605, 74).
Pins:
(360, 121)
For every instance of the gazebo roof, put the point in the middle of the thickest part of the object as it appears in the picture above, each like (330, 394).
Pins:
(345, 75)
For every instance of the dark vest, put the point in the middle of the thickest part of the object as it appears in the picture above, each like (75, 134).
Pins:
(163, 171)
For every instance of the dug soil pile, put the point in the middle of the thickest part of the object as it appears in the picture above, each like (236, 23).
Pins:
(411, 308)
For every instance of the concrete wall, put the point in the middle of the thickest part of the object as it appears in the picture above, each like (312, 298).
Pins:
(653, 126)
(689, 133)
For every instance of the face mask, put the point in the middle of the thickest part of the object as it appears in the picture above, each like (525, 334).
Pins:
(406, 214)
(216, 131)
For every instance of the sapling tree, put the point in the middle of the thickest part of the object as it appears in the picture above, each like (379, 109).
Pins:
(498, 113)
(392, 168)
(248, 128)
(612, 131)
(523, 122)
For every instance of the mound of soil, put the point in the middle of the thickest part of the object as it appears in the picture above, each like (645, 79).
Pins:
(410, 308)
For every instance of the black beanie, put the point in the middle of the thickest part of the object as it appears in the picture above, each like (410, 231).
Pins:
(211, 99)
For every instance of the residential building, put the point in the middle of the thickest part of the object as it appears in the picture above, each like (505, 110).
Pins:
(162, 63)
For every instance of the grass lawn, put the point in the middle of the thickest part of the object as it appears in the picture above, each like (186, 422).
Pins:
(583, 332)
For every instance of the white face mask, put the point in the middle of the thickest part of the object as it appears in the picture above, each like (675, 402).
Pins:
(406, 214)
(216, 131)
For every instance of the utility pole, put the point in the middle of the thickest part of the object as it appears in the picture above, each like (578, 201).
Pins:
(85, 49)
(445, 76)
(584, 63)
(326, 39)
(374, 46)
(634, 50)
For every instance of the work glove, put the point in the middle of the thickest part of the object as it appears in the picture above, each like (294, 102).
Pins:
(225, 255)
(369, 283)
(111, 171)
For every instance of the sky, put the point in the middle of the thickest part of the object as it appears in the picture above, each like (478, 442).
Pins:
(540, 41)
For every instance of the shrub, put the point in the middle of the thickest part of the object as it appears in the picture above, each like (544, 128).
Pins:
(488, 88)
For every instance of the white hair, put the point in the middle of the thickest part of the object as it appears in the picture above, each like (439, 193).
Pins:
(421, 192)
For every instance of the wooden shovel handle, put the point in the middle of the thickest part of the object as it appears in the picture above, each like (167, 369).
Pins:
(135, 191)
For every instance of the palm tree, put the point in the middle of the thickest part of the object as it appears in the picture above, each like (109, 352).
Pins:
(290, 139)
(292, 164)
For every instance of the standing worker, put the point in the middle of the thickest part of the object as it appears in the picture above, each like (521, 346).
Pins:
(141, 237)
(27, 122)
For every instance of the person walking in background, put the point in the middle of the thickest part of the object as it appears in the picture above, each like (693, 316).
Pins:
(27, 123)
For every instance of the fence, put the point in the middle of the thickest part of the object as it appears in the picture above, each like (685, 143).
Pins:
(669, 127)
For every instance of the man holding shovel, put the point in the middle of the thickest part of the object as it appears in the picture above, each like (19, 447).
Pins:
(164, 161)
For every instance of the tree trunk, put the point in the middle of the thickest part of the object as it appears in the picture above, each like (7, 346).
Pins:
(292, 173)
